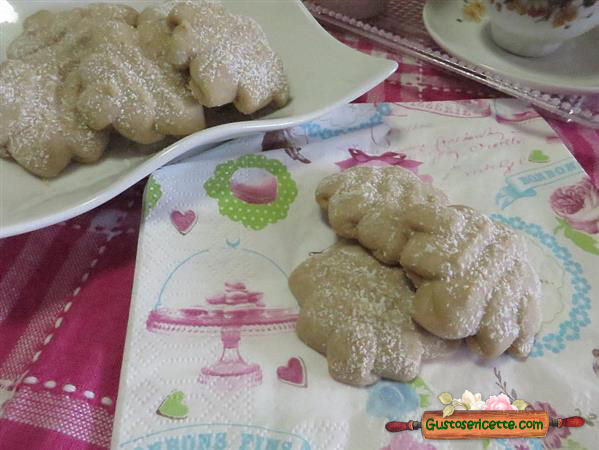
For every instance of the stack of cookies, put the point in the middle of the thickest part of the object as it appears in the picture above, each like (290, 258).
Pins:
(74, 77)
(411, 278)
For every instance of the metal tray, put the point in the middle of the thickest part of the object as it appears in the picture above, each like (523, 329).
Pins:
(402, 29)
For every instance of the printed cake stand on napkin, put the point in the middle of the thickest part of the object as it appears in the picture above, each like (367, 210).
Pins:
(257, 220)
(247, 312)
(232, 312)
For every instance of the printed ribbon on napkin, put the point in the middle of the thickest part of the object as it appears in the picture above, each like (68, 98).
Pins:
(391, 158)
(524, 184)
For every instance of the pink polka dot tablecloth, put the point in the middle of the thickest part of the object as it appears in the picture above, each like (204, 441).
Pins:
(65, 291)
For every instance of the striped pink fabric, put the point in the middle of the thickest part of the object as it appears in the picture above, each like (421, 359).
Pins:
(65, 292)
(64, 301)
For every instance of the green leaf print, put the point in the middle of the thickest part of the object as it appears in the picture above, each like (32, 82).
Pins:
(582, 240)
(152, 194)
(418, 382)
(486, 443)
(561, 225)
(422, 390)
(445, 398)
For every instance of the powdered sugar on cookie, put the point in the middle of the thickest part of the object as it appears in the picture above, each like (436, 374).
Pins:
(72, 77)
(472, 275)
(127, 84)
(474, 280)
(357, 311)
(39, 84)
(229, 57)
(369, 203)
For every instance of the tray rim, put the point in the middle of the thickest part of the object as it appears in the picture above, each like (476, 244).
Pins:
(562, 106)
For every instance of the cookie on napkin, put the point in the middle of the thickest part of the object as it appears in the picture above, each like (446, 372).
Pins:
(369, 203)
(356, 311)
(474, 280)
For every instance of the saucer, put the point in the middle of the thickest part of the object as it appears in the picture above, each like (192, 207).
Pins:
(572, 69)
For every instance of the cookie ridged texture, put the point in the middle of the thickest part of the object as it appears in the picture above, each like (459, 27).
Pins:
(41, 127)
(356, 311)
(369, 204)
(72, 77)
(127, 84)
(229, 57)
(474, 280)
(472, 275)
(45, 28)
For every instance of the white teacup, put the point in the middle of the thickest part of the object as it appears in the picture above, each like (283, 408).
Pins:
(539, 27)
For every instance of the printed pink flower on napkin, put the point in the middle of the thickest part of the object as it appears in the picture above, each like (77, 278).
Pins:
(578, 204)
(499, 402)
(554, 436)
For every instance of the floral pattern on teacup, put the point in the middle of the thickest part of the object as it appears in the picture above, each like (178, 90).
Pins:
(559, 12)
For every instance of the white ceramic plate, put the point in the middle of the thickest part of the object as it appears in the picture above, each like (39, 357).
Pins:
(573, 68)
(323, 74)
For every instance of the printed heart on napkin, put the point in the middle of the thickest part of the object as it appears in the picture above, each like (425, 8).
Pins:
(537, 156)
(183, 222)
(173, 406)
(294, 372)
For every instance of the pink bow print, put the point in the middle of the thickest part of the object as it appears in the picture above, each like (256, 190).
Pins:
(358, 157)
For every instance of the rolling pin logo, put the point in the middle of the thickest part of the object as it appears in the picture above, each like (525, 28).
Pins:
(496, 418)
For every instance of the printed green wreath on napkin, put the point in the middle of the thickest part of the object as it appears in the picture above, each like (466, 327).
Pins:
(254, 216)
